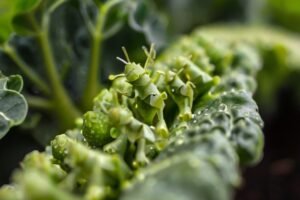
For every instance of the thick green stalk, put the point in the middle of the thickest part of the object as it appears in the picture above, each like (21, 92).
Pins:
(93, 85)
(64, 107)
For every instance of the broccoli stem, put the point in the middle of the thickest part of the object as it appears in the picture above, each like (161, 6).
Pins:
(93, 85)
(64, 107)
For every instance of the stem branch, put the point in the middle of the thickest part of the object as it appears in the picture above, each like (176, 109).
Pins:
(63, 105)
(30, 73)
(39, 103)
(93, 85)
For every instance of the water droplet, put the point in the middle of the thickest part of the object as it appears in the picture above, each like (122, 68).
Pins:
(173, 90)
(199, 112)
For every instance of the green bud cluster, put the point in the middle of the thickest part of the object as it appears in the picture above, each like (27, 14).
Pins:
(178, 127)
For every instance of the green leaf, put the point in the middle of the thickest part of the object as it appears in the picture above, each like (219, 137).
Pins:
(9, 10)
(15, 82)
(195, 171)
(13, 106)
(32, 14)
(236, 114)
(23, 19)
(6, 13)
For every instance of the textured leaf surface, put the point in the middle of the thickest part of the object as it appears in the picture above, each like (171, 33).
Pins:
(13, 106)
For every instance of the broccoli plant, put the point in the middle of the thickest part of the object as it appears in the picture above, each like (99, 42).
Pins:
(176, 127)
(59, 49)
(57, 46)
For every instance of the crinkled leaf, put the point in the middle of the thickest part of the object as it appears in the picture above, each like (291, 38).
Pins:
(13, 106)
(15, 82)
(235, 113)
(183, 177)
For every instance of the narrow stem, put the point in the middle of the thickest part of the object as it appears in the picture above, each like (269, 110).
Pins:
(86, 19)
(30, 73)
(93, 85)
(64, 107)
(39, 103)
